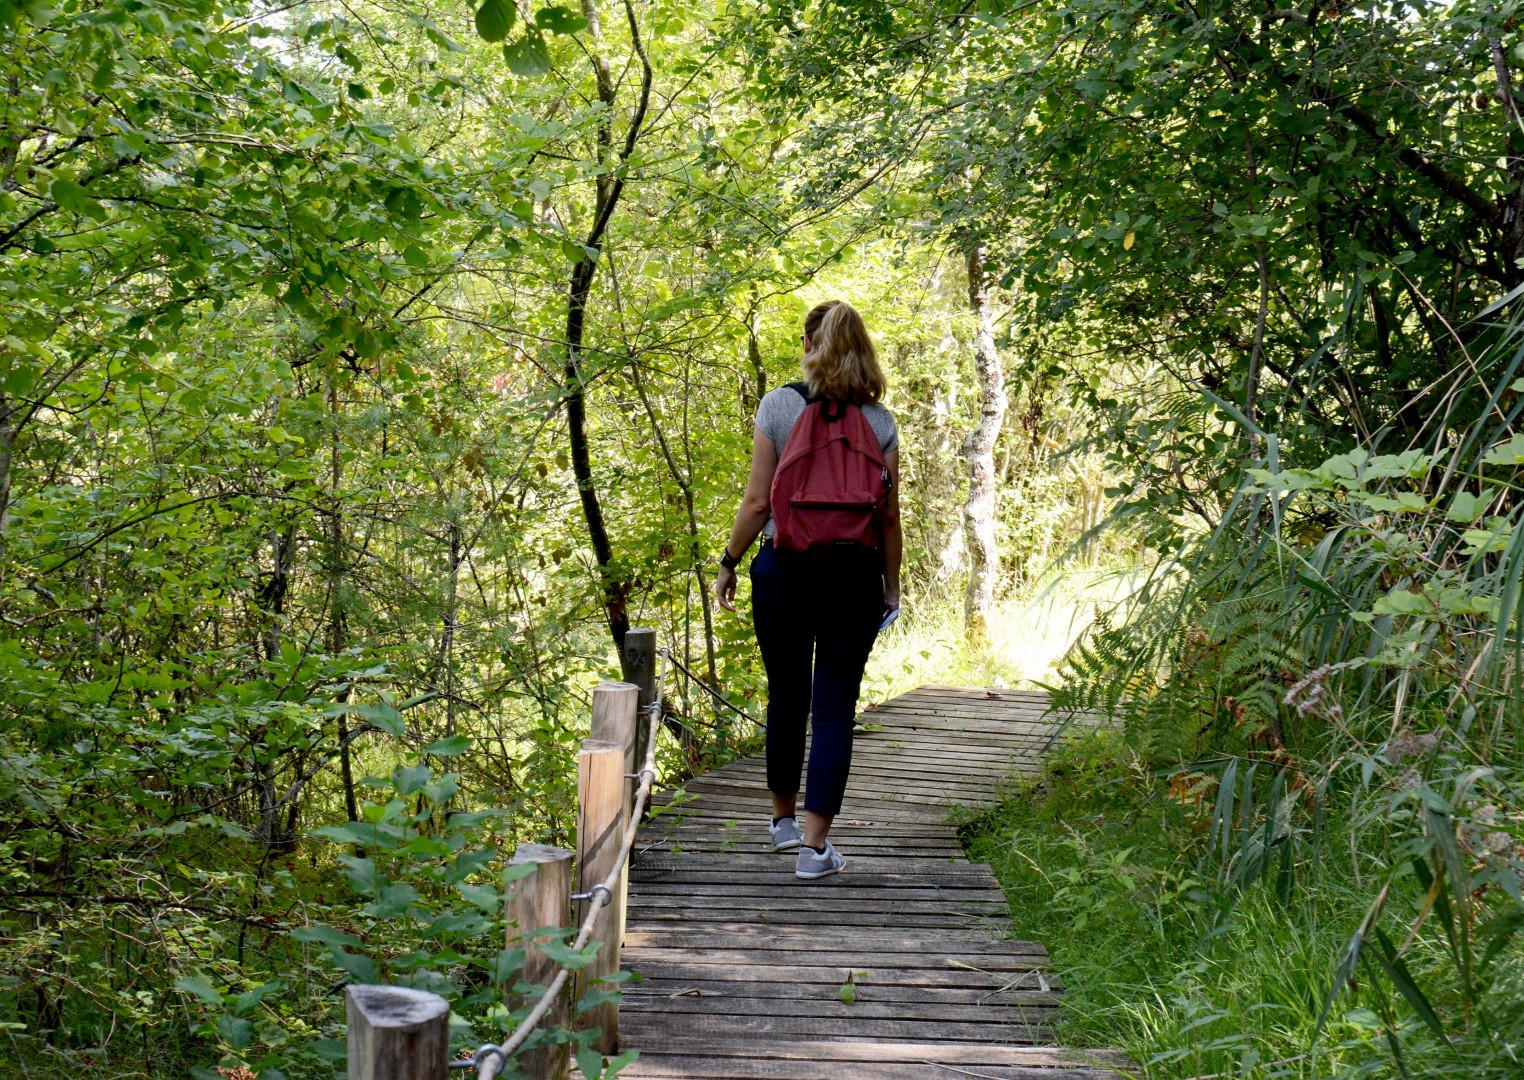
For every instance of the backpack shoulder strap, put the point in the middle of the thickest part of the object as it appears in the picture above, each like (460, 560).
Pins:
(802, 389)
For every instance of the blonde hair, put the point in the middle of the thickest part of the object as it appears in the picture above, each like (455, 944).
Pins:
(841, 362)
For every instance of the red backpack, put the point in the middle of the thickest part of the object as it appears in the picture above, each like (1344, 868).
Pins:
(831, 483)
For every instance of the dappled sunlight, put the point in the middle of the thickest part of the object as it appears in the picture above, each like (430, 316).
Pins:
(1028, 636)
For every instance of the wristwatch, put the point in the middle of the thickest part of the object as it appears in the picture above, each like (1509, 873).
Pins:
(727, 560)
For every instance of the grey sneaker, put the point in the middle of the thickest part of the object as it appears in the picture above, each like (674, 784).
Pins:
(786, 835)
(818, 864)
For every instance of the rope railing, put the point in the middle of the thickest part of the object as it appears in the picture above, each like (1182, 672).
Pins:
(399, 1032)
(491, 1058)
(711, 691)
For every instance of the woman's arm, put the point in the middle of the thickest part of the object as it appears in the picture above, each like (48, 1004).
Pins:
(894, 536)
(755, 508)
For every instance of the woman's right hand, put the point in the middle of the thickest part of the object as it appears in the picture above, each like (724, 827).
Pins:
(725, 588)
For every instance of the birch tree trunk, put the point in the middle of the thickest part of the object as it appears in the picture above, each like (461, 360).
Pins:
(979, 455)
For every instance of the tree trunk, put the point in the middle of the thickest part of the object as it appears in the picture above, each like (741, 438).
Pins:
(337, 624)
(7, 445)
(614, 586)
(979, 455)
(1513, 207)
(754, 347)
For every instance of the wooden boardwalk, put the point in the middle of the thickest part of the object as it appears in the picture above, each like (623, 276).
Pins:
(744, 965)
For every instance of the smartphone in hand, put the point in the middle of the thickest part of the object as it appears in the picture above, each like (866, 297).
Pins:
(890, 614)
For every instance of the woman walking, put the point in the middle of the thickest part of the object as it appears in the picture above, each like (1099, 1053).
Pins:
(823, 495)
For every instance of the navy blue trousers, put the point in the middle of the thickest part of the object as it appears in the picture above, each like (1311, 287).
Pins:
(816, 619)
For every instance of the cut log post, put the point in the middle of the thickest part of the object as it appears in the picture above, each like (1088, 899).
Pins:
(638, 661)
(615, 720)
(602, 812)
(397, 1034)
(539, 901)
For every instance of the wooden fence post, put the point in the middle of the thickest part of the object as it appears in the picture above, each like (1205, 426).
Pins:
(602, 812)
(540, 900)
(397, 1034)
(638, 661)
(615, 720)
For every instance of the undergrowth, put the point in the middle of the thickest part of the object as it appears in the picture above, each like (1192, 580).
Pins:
(1110, 863)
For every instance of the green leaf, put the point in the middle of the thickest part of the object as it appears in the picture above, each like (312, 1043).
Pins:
(247, 1000)
(494, 19)
(383, 715)
(528, 56)
(356, 832)
(328, 1049)
(483, 896)
(559, 20)
(616, 1065)
(517, 872)
(358, 966)
(590, 1062)
(70, 196)
(200, 988)
(362, 875)
(1507, 453)
(568, 957)
(235, 1030)
(467, 864)
(1402, 602)
(449, 747)
(507, 964)
(1403, 501)
(1466, 507)
(411, 778)
(391, 901)
(326, 935)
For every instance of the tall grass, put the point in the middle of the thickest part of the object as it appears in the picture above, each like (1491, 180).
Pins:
(1316, 724)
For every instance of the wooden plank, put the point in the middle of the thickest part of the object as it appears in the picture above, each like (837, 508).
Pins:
(865, 1050)
(878, 756)
(902, 777)
(863, 1009)
(665, 1067)
(678, 975)
(851, 821)
(935, 798)
(833, 922)
(971, 958)
(845, 910)
(880, 944)
(880, 810)
(786, 1024)
(660, 991)
(815, 896)
(876, 871)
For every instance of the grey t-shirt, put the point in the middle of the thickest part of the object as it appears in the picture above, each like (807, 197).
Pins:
(781, 407)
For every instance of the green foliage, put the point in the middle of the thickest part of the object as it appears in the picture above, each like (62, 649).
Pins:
(286, 499)
(1169, 949)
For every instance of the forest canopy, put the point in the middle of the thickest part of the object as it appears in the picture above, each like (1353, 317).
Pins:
(368, 369)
